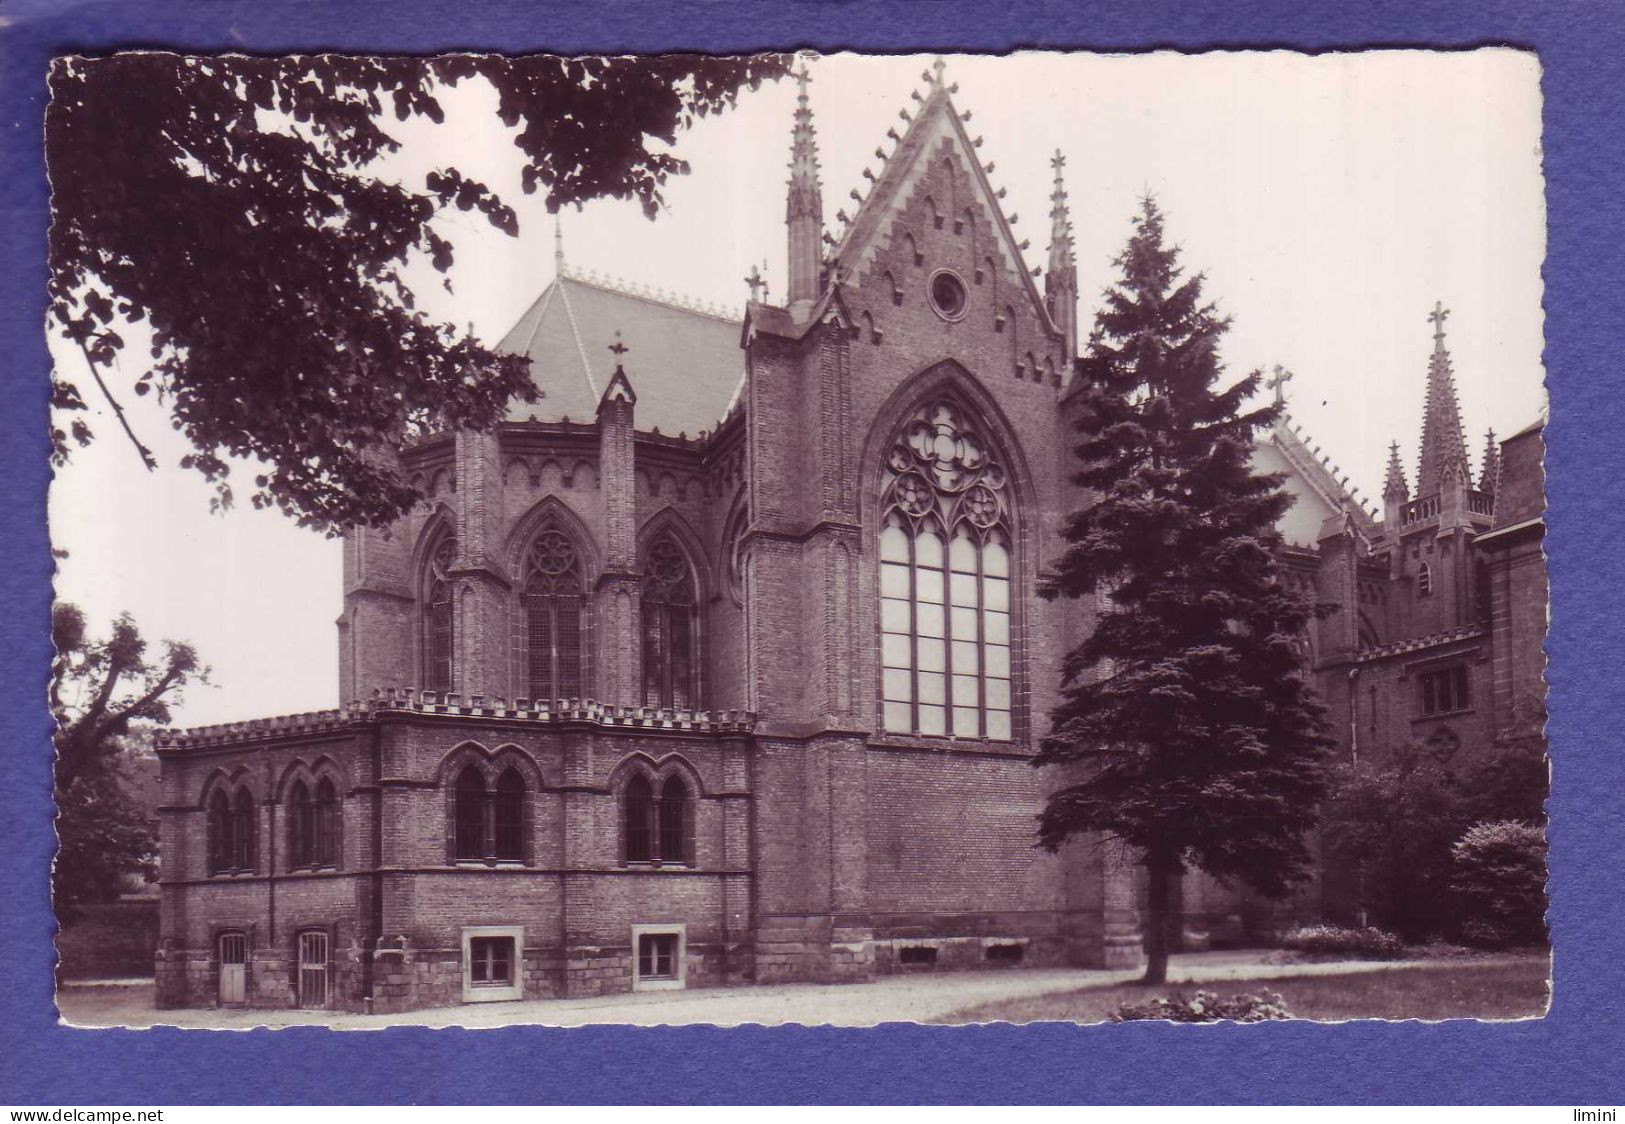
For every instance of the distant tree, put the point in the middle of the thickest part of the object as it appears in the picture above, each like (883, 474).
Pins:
(1388, 828)
(103, 694)
(1187, 715)
(1392, 824)
(236, 206)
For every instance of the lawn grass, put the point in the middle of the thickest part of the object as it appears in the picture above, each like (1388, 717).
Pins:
(1461, 990)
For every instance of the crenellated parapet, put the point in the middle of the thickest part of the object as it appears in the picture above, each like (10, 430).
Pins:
(408, 700)
(1417, 643)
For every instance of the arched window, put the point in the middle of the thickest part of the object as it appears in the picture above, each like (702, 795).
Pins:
(639, 820)
(945, 570)
(554, 604)
(1424, 580)
(669, 640)
(325, 844)
(508, 817)
(437, 617)
(657, 820)
(470, 805)
(301, 827)
(673, 821)
(490, 821)
(219, 832)
(242, 831)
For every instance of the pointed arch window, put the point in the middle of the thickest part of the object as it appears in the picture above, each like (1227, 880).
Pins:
(945, 572)
(219, 832)
(554, 609)
(670, 640)
(301, 826)
(490, 820)
(1424, 580)
(657, 820)
(438, 617)
(470, 814)
(326, 842)
(241, 849)
(639, 820)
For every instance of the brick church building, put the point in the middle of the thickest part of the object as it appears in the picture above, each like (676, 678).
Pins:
(721, 663)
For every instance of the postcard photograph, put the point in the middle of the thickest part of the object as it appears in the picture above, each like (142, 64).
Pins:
(798, 538)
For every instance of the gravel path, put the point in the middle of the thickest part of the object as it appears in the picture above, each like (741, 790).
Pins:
(901, 998)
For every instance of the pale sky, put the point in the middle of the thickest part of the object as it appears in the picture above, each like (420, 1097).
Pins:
(1330, 200)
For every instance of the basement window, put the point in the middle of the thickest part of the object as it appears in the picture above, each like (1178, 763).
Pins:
(1005, 953)
(920, 954)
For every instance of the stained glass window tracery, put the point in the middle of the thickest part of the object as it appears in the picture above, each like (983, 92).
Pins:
(555, 607)
(945, 572)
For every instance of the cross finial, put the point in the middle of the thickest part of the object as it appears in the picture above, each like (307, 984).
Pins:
(618, 347)
(754, 280)
(803, 78)
(1437, 317)
(1058, 161)
(1278, 383)
(937, 67)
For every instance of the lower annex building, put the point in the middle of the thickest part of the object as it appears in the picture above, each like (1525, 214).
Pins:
(721, 663)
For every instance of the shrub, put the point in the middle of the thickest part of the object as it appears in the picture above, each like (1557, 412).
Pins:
(1500, 881)
(1367, 944)
(1206, 1007)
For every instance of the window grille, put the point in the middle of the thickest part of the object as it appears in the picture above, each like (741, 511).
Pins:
(945, 573)
(233, 948)
(669, 640)
(313, 958)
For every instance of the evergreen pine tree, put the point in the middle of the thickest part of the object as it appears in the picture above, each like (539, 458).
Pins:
(1187, 723)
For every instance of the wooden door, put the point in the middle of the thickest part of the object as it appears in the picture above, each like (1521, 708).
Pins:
(233, 968)
(313, 969)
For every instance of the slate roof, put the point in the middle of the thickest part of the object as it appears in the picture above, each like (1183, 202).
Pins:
(683, 360)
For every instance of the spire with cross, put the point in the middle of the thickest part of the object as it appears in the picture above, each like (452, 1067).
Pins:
(1437, 317)
(1444, 444)
(804, 208)
(1061, 279)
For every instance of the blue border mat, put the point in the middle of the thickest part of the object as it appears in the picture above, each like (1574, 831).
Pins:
(1575, 1056)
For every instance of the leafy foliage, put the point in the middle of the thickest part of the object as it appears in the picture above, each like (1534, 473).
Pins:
(236, 207)
(1366, 943)
(1187, 712)
(1391, 826)
(1500, 880)
(1206, 1007)
(103, 694)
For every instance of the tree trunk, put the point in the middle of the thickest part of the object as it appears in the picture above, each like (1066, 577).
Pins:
(1160, 874)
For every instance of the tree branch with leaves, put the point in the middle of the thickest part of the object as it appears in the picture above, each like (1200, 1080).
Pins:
(237, 208)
